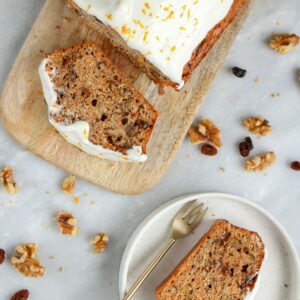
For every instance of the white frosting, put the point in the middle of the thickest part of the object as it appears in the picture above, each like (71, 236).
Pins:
(78, 133)
(166, 32)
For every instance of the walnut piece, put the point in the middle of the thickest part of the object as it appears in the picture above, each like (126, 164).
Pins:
(25, 261)
(284, 43)
(6, 178)
(100, 242)
(195, 136)
(258, 125)
(68, 184)
(66, 223)
(260, 163)
(207, 132)
(210, 131)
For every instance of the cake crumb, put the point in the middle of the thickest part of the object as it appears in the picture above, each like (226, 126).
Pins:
(286, 285)
(222, 169)
(275, 95)
(60, 269)
(76, 200)
(256, 79)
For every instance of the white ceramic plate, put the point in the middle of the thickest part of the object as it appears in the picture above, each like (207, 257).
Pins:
(280, 274)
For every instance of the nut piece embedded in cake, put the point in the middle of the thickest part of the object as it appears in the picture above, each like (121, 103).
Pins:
(284, 43)
(100, 242)
(66, 223)
(6, 178)
(258, 125)
(25, 261)
(68, 184)
(260, 163)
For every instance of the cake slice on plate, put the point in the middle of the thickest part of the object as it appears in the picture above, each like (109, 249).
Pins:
(224, 265)
(166, 39)
(93, 106)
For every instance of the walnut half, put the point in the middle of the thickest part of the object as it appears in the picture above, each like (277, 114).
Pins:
(100, 242)
(284, 43)
(66, 223)
(25, 261)
(260, 163)
(258, 125)
(6, 178)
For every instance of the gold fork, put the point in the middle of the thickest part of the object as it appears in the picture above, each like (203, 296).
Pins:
(186, 220)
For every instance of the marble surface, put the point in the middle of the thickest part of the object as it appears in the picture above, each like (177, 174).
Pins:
(28, 216)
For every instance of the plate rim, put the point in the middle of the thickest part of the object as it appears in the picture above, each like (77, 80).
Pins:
(129, 246)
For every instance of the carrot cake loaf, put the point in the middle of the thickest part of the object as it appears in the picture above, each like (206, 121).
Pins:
(166, 39)
(223, 265)
(93, 105)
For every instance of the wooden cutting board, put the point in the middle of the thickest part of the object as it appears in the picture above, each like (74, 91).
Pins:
(24, 113)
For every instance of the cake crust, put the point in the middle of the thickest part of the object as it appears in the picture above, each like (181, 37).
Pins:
(142, 62)
(203, 275)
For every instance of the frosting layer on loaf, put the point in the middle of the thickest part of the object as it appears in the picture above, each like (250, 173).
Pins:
(166, 32)
(78, 133)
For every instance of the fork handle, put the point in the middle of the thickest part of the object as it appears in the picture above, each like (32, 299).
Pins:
(149, 269)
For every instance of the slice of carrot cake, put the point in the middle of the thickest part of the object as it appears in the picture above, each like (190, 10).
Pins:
(224, 265)
(166, 39)
(93, 105)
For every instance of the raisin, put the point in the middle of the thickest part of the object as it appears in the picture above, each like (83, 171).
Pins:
(94, 102)
(20, 295)
(208, 149)
(238, 72)
(2, 256)
(103, 117)
(295, 165)
(246, 146)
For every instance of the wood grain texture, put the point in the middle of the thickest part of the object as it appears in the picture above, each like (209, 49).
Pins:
(24, 113)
